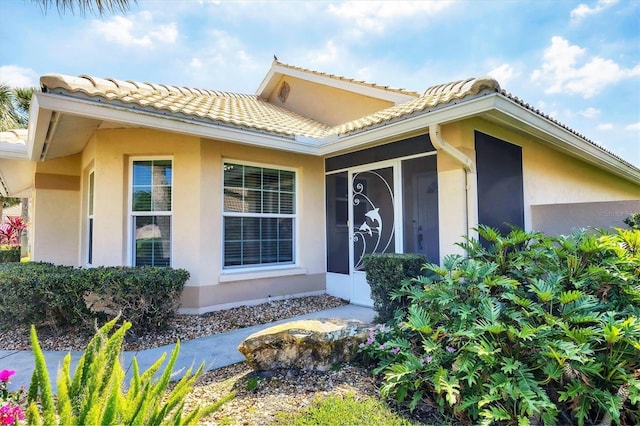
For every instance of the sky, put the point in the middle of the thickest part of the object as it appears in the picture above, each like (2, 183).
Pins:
(577, 61)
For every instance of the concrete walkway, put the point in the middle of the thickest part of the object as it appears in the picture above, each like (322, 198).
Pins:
(215, 351)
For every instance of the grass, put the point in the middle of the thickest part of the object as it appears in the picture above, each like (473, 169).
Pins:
(344, 410)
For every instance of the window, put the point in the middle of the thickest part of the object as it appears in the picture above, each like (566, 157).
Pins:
(90, 219)
(151, 209)
(259, 216)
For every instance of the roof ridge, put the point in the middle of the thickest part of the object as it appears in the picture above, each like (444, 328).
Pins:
(349, 80)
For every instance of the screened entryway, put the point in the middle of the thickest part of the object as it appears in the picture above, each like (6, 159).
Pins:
(384, 206)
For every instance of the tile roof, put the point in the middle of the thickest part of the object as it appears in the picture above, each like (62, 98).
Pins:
(250, 111)
(16, 136)
(253, 112)
(240, 110)
(432, 97)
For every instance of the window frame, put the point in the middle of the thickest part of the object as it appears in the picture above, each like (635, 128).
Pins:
(91, 206)
(239, 269)
(131, 214)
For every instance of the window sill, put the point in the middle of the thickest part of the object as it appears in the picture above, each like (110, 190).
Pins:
(227, 277)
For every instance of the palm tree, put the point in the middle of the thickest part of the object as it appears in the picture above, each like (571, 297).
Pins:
(9, 118)
(14, 107)
(84, 6)
(14, 114)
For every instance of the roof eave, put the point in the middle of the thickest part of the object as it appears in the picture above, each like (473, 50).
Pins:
(49, 103)
(562, 138)
(499, 108)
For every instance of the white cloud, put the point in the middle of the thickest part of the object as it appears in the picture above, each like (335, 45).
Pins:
(503, 74)
(138, 30)
(327, 57)
(605, 126)
(377, 16)
(566, 70)
(583, 10)
(633, 126)
(221, 62)
(15, 76)
(590, 112)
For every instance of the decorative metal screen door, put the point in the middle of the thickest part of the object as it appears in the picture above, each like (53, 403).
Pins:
(372, 223)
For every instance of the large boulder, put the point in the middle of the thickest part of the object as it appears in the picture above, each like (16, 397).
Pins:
(315, 344)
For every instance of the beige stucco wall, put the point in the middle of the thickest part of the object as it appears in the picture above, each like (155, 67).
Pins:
(197, 213)
(215, 287)
(326, 104)
(549, 176)
(55, 211)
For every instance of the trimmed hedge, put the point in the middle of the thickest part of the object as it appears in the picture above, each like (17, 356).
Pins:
(8, 255)
(386, 272)
(148, 297)
(38, 293)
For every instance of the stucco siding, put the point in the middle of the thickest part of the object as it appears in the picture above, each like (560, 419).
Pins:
(55, 226)
(55, 211)
(552, 177)
(329, 105)
(199, 299)
(197, 212)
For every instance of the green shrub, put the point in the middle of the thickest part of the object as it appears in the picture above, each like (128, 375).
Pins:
(9, 254)
(36, 293)
(148, 297)
(96, 393)
(633, 221)
(387, 272)
(531, 329)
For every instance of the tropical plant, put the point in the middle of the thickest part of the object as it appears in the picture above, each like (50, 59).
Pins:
(11, 230)
(529, 329)
(95, 393)
(92, 6)
(14, 107)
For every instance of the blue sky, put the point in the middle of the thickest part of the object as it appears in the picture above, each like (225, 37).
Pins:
(577, 61)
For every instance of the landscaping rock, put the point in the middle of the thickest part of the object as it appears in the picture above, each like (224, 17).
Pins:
(316, 344)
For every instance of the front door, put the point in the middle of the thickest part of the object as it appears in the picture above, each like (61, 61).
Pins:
(372, 222)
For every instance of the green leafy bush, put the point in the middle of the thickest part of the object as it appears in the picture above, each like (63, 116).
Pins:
(633, 221)
(96, 393)
(148, 297)
(387, 272)
(9, 254)
(36, 293)
(531, 329)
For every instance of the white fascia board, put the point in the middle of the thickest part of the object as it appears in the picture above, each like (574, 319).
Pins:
(37, 132)
(565, 140)
(14, 151)
(142, 118)
(362, 89)
(268, 84)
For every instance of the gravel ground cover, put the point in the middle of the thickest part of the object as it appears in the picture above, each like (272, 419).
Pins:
(258, 396)
(184, 327)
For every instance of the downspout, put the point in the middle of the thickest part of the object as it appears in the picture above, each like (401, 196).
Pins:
(470, 176)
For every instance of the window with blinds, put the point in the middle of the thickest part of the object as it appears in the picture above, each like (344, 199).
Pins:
(151, 211)
(259, 216)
